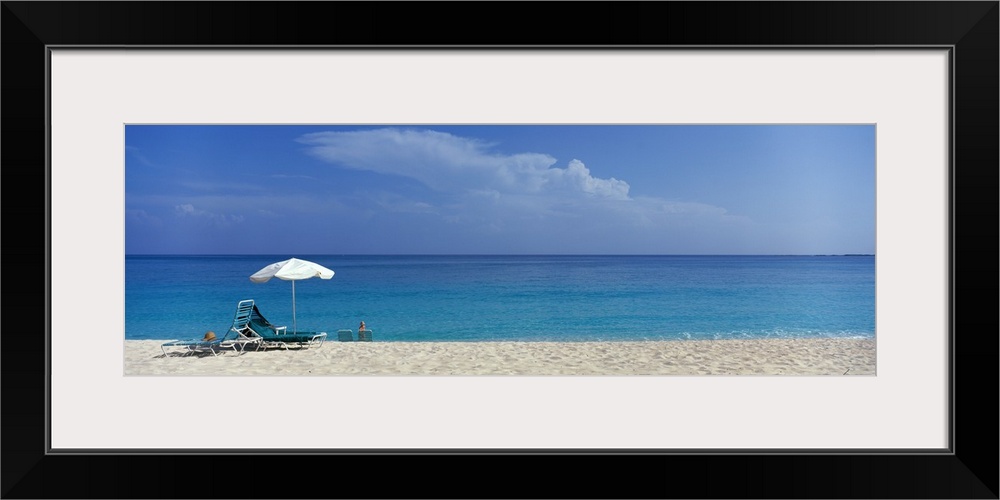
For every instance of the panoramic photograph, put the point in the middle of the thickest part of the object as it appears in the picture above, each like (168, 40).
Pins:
(500, 250)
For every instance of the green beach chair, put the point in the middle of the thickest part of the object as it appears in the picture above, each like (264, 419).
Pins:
(240, 334)
(278, 336)
(345, 335)
(364, 335)
(237, 338)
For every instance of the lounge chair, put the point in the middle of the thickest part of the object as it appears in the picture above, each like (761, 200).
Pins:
(364, 335)
(237, 338)
(192, 346)
(277, 336)
(345, 335)
(240, 334)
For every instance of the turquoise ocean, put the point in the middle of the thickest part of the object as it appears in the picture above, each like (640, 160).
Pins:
(513, 297)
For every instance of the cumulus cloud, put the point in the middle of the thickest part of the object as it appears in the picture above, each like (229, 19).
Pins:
(520, 202)
(456, 164)
(186, 209)
(577, 176)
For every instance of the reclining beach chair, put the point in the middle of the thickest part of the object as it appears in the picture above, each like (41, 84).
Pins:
(237, 338)
(277, 336)
(345, 335)
(240, 335)
(192, 346)
(364, 335)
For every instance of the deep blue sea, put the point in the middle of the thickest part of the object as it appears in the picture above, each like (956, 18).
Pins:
(520, 298)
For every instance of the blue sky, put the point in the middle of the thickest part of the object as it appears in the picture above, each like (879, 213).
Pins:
(500, 189)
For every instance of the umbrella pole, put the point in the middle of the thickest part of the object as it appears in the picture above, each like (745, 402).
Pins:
(294, 326)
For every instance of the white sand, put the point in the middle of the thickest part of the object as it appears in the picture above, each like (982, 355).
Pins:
(710, 357)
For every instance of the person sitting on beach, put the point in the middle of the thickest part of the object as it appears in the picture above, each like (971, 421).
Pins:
(363, 333)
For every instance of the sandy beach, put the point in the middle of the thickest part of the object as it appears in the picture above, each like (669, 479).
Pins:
(832, 356)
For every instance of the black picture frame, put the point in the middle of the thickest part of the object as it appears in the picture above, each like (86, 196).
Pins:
(968, 470)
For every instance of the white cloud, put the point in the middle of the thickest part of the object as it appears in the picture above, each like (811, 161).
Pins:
(142, 217)
(220, 186)
(292, 176)
(577, 175)
(457, 165)
(390, 202)
(137, 154)
(188, 210)
(522, 202)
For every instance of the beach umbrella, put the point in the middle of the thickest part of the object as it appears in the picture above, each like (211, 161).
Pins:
(292, 270)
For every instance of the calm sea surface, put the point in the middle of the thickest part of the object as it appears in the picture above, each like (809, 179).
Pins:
(525, 298)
